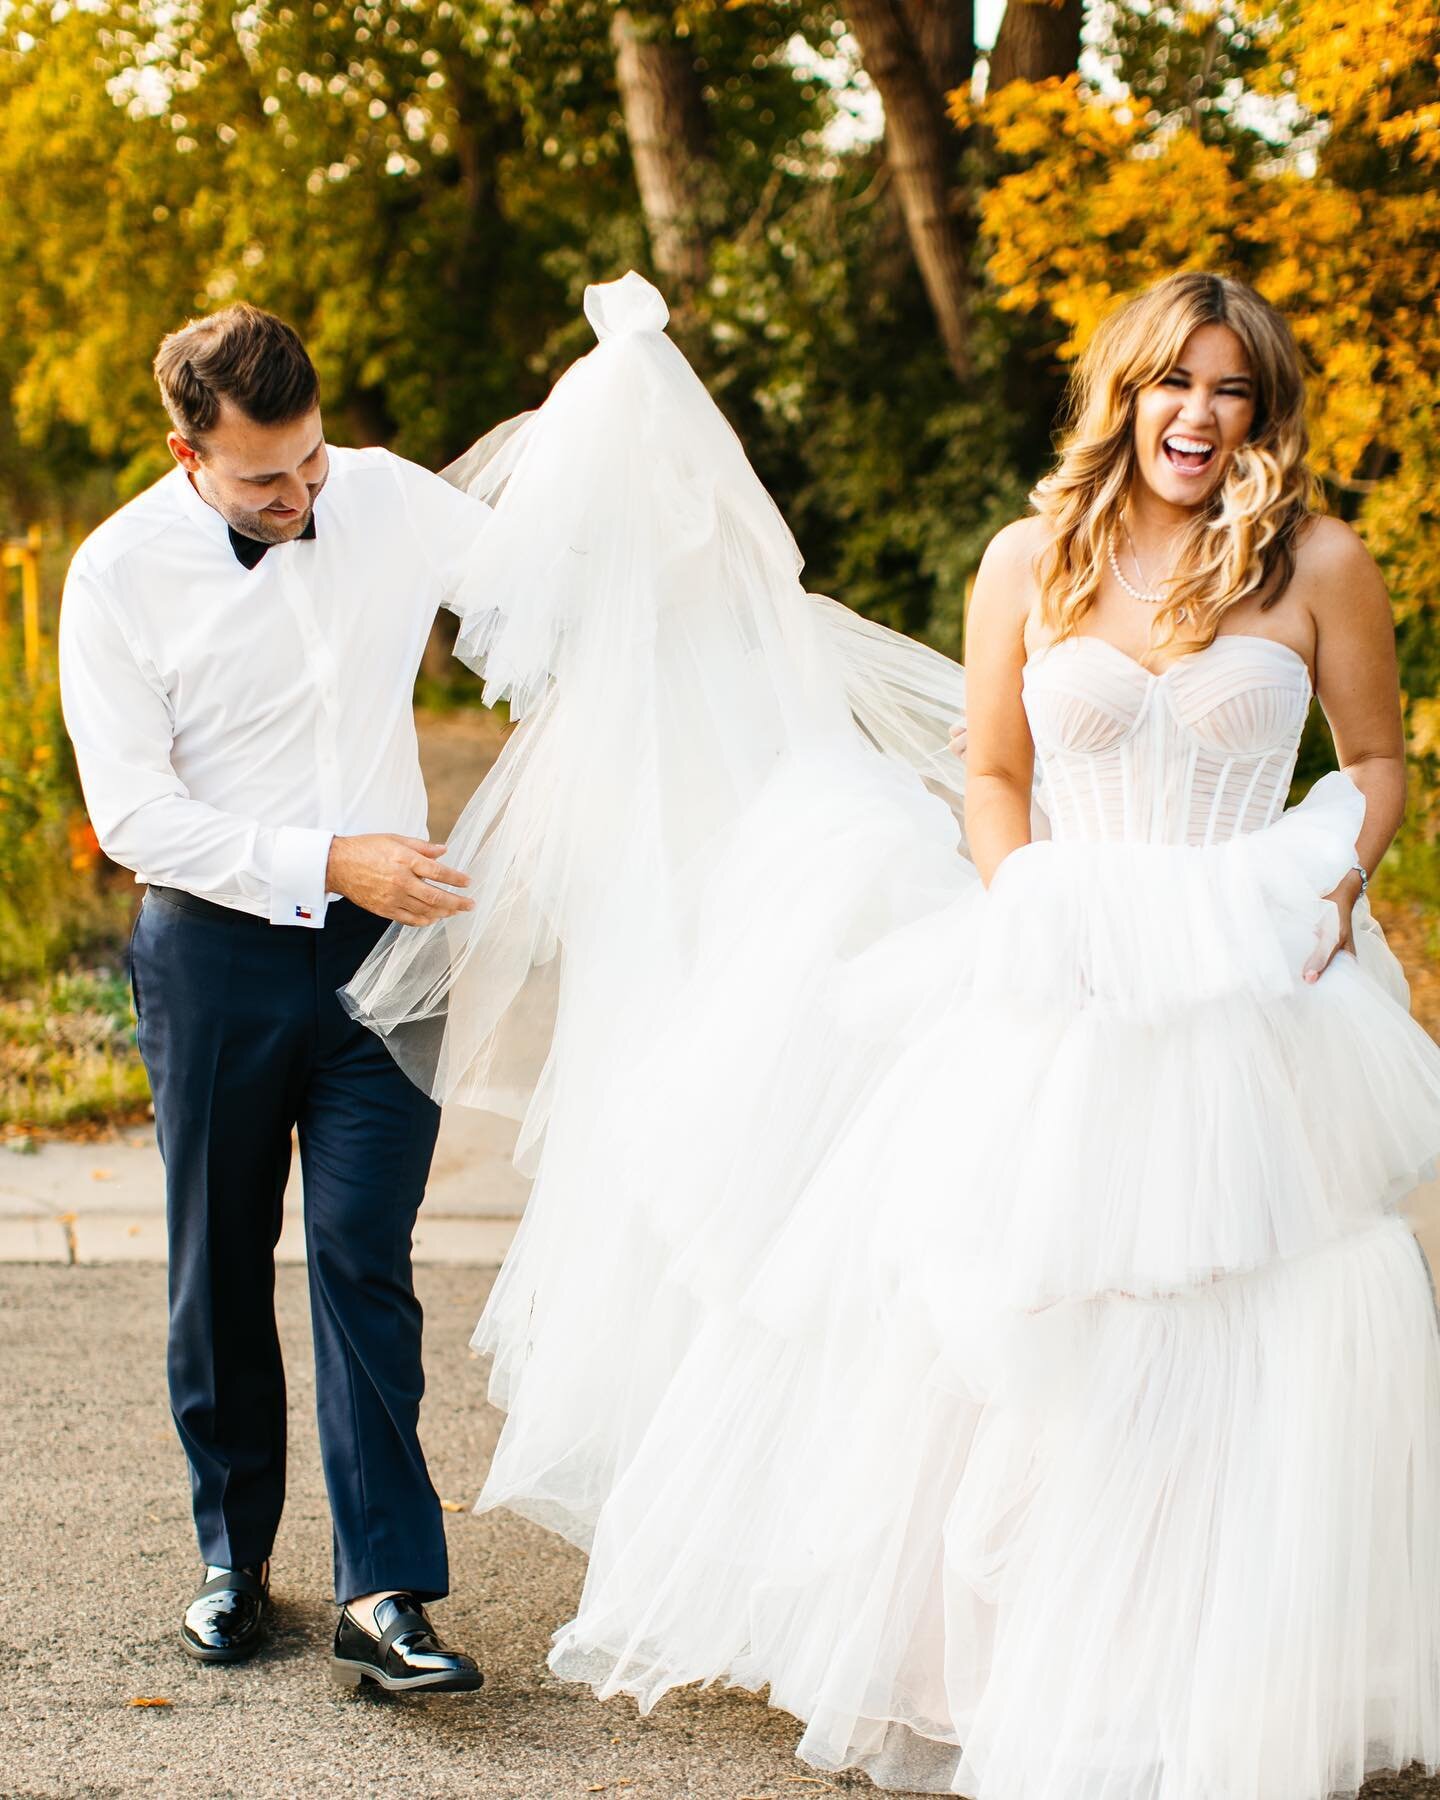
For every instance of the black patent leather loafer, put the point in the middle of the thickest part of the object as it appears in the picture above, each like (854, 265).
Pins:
(225, 1621)
(406, 1656)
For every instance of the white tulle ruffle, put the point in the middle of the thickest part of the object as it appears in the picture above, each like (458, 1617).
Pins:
(982, 1317)
(1192, 1560)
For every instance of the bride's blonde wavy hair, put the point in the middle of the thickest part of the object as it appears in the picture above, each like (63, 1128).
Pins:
(1243, 538)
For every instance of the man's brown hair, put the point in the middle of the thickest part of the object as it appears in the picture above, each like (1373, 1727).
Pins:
(240, 354)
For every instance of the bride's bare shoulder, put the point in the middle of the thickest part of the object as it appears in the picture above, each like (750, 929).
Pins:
(1337, 579)
(1018, 545)
(1007, 583)
(1330, 552)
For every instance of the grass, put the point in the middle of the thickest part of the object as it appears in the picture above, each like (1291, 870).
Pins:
(1410, 871)
(67, 1051)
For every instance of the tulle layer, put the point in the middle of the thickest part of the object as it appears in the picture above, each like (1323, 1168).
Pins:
(1003, 1355)
(878, 1065)
(974, 1315)
(1145, 931)
(1136, 1090)
(1194, 1560)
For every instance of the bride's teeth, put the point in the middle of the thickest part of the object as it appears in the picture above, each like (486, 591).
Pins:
(1187, 453)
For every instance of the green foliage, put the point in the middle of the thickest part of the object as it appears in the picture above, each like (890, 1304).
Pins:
(421, 189)
(67, 1051)
(820, 345)
(51, 899)
(424, 189)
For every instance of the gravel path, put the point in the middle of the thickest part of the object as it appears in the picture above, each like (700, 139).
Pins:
(97, 1555)
(97, 1558)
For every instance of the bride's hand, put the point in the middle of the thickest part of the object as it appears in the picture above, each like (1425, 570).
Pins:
(1343, 899)
(393, 876)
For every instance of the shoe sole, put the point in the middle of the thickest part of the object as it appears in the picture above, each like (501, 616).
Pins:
(347, 1674)
(201, 1654)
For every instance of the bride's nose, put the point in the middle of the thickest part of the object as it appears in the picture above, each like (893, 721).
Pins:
(1197, 409)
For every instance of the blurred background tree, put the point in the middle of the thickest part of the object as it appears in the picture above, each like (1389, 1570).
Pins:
(885, 228)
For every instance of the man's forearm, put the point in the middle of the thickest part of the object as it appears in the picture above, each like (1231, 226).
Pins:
(184, 843)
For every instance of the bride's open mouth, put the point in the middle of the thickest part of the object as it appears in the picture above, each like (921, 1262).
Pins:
(1188, 455)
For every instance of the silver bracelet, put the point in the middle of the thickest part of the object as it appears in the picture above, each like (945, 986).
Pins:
(1358, 868)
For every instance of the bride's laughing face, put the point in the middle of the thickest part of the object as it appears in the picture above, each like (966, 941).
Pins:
(1190, 423)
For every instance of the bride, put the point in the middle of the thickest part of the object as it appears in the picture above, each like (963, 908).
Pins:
(966, 1288)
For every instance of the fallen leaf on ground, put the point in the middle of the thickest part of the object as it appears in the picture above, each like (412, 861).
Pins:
(453, 1505)
(102, 1174)
(149, 1700)
(132, 1231)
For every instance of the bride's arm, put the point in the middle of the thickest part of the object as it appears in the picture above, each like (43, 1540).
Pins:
(1358, 687)
(999, 751)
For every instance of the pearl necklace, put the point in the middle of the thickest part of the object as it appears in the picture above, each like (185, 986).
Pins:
(1149, 599)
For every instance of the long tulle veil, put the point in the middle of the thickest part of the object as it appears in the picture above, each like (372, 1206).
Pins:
(968, 1313)
(637, 601)
(712, 772)
(723, 905)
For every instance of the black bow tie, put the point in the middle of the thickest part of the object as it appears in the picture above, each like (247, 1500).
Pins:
(249, 550)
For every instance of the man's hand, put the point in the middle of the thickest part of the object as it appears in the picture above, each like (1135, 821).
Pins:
(392, 876)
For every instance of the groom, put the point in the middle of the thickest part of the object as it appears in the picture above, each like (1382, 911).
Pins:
(238, 649)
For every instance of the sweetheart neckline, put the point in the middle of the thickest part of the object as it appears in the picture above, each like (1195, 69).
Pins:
(1248, 637)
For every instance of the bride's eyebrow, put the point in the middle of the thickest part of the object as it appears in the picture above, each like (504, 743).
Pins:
(1180, 369)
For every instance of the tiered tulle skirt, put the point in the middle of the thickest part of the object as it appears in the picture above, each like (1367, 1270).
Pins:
(996, 1334)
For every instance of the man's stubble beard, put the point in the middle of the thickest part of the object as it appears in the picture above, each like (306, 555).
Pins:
(263, 527)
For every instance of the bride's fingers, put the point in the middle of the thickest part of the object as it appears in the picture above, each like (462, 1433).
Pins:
(1315, 969)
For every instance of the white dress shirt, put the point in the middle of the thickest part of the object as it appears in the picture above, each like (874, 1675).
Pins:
(227, 721)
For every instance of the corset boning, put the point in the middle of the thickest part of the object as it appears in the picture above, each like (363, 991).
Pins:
(1197, 754)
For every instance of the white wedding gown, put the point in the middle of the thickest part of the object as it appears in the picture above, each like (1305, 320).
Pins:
(984, 1317)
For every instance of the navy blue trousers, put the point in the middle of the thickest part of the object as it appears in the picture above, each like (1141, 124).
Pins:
(244, 1041)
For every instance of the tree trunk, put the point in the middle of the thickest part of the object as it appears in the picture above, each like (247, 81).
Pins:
(1037, 39)
(669, 144)
(915, 51)
(944, 34)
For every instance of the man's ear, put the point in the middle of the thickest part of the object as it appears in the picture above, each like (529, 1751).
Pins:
(183, 452)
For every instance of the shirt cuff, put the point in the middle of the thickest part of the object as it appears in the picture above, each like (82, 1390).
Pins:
(297, 877)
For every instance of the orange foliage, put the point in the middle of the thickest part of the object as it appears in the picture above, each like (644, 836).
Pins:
(1099, 198)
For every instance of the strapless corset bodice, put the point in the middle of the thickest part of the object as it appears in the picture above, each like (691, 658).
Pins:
(1200, 753)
